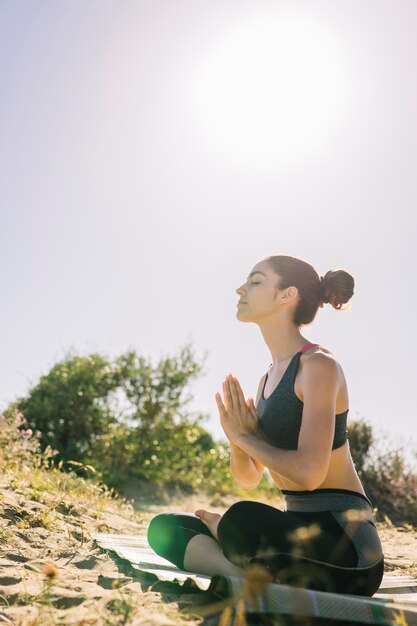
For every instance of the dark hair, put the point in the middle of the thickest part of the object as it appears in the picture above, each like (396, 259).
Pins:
(335, 287)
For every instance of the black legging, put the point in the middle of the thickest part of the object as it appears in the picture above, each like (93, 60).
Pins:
(305, 549)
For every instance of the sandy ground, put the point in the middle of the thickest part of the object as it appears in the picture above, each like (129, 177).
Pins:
(56, 575)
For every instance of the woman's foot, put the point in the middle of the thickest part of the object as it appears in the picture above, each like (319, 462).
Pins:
(211, 520)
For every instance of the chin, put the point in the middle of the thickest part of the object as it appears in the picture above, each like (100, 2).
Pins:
(242, 317)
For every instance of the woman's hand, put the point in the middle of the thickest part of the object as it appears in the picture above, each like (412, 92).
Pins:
(237, 415)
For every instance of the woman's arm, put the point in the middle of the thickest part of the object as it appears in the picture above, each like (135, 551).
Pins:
(308, 465)
(247, 471)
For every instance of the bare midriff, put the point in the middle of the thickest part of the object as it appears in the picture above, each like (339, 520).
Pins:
(341, 474)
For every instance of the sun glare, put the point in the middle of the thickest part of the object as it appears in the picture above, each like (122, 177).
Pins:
(272, 91)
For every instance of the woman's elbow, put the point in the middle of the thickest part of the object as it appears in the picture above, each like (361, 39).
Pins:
(310, 483)
(313, 477)
(247, 489)
(247, 486)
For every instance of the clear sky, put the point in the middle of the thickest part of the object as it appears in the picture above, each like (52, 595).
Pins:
(151, 152)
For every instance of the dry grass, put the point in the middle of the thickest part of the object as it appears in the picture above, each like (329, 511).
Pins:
(52, 573)
(50, 570)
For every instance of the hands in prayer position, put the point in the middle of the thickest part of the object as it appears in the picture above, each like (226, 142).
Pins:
(238, 416)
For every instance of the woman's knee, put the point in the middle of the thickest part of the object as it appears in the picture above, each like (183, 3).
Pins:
(234, 530)
(238, 509)
(236, 515)
(159, 531)
(167, 538)
(169, 534)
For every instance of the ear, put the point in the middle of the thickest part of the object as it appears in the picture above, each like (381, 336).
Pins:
(289, 295)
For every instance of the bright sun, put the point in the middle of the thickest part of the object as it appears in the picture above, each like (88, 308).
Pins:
(273, 91)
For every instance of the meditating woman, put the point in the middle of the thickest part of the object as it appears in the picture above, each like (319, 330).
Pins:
(326, 537)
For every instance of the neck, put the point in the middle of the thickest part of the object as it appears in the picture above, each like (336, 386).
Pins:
(282, 337)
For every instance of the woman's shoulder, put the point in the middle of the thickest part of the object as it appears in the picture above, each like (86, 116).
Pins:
(321, 360)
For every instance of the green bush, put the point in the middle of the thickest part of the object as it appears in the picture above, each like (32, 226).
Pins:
(361, 440)
(69, 405)
(169, 455)
(18, 443)
(128, 419)
(388, 480)
(391, 486)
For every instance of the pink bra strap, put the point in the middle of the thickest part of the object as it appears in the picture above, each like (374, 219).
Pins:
(307, 347)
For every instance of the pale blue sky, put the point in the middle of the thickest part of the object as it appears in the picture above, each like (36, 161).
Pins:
(152, 152)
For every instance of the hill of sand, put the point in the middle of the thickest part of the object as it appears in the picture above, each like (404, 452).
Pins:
(51, 572)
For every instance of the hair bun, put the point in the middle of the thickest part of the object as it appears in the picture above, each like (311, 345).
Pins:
(338, 286)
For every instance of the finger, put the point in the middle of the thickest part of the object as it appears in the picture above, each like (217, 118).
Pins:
(254, 409)
(228, 402)
(251, 406)
(233, 391)
(220, 406)
(240, 393)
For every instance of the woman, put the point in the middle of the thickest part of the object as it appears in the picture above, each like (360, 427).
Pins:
(326, 538)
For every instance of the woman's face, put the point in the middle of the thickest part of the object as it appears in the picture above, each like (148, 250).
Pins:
(259, 295)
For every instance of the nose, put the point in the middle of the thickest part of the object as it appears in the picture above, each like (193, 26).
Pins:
(240, 291)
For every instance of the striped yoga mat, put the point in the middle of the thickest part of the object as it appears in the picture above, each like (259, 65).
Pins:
(394, 604)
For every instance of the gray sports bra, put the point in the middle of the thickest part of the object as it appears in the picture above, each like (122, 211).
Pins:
(280, 415)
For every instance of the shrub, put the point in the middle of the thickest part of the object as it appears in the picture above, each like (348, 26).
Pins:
(128, 419)
(18, 443)
(391, 486)
(69, 405)
(361, 440)
(388, 479)
(169, 455)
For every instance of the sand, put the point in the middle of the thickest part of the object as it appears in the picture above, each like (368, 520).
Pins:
(51, 572)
